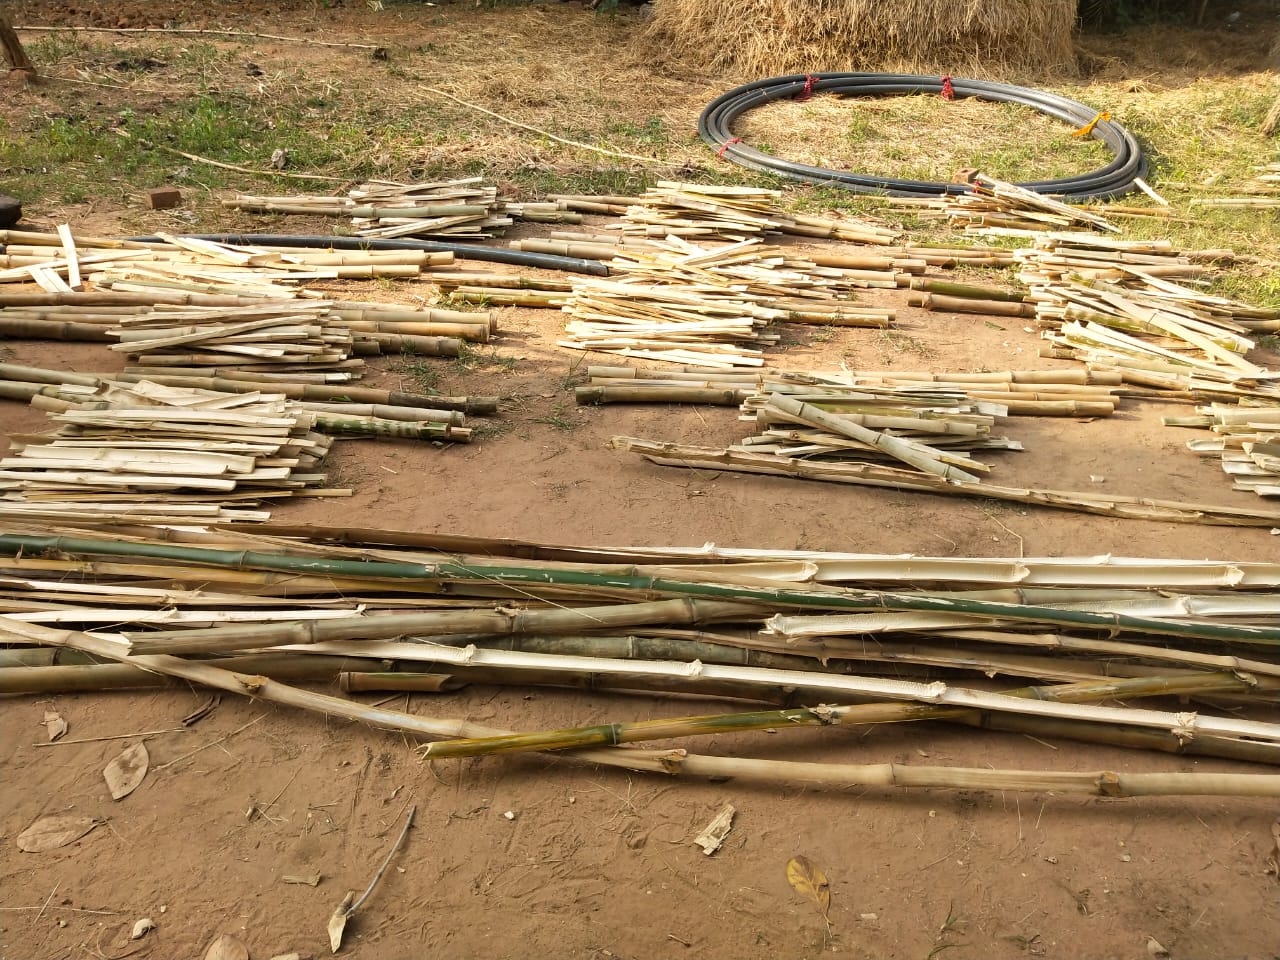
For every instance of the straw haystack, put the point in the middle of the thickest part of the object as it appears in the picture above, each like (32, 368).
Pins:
(759, 38)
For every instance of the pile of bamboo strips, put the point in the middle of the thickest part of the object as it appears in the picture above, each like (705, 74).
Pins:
(1247, 443)
(804, 639)
(1129, 304)
(215, 448)
(682, 303)
(191, 304)
(1028, 393)
(995, 203)
(153, 451)
(702, 212)
(458, 209)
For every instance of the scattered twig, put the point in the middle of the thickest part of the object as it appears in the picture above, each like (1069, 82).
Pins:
(243, 34)
(552, 136)
(211, 743)
(347, 908)
(118, 736)
(239, 169)
(47, 900)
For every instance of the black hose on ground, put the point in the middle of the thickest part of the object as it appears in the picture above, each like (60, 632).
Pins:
(716, 123)
(463, 251)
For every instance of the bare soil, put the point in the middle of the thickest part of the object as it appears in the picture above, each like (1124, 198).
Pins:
(540, 857)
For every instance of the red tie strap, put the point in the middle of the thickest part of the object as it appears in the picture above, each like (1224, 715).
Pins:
(805, 94)
(725, 146)
(948, 91)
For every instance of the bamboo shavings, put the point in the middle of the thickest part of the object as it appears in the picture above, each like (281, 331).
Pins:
(1247, 443)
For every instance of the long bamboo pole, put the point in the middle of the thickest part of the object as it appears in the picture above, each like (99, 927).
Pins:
(936, 693)
(646, 585)
(677, 762)
(635, 732)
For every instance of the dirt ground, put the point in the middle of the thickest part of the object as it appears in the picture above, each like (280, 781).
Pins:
(541, 857)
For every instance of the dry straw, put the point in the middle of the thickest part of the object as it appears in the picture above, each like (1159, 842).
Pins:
(762, 38)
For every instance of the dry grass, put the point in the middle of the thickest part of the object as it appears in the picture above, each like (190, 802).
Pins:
(920, 137)
(760, 38)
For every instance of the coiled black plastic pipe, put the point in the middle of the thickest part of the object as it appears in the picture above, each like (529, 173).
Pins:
(716, 123)
(463, 251)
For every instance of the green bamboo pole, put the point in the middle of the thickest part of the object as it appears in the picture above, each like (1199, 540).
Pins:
(791, 596)
(678, 762)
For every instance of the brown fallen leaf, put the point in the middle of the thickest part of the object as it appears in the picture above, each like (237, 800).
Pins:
(54, 725)
(1157, 949)
(808, 879)
(226, 947)
(49, 833)
(125, 772)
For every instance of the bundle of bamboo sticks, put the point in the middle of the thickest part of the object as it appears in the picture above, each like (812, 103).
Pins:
(701, 212)
(1115, 302)
(683, 303)
(816, 639)
(149, 450)
(1043, 393)
(995, 203)
(459, 209)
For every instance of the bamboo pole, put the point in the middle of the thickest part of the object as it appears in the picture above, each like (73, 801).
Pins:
(1184, 725)
(1103, 783)
(734, 601)
(669, 728)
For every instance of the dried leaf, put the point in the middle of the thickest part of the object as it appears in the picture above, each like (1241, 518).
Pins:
(714, 833)
(287, 956)
(54, 724)
(49, 833)
(338, 921)
(310, 879)
(226, 947)
(125, 772)
(142, 928)
(807, 878)
(1156, 949)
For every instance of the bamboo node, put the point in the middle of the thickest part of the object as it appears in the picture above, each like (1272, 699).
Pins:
(1109, 784)
(1185, 731)
(672, 761)
(826, 713)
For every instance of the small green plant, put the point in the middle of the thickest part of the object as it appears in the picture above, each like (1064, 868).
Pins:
(560, 417)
